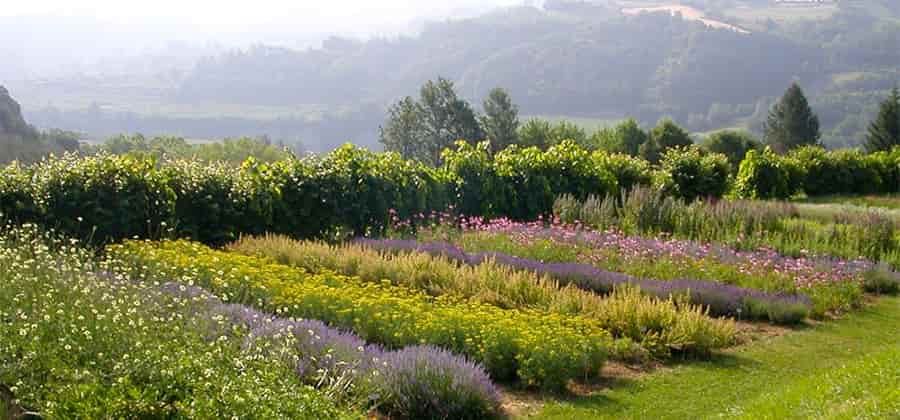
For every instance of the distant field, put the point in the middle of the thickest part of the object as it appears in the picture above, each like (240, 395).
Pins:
(785, 13)
(883, 201)
(149, 103)
(686, 12)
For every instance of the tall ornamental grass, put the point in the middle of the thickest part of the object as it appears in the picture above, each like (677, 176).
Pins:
(449, 271)
(714, 298)
(787, 228)
(832, 285)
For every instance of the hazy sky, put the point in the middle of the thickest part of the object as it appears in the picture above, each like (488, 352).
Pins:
(232, 13)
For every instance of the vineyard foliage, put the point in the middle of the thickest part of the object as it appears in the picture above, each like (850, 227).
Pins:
(352, 191)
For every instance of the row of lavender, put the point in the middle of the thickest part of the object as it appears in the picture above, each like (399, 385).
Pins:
(413, 382)
(721, 299)
(833, 284)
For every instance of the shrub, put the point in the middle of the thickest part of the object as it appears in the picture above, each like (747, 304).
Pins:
(212, 203)
(424, 382)
(411, 383)
(765, 175)
(522, 183)
(17, 202)
(509, 343)
(837, 172)
(881, 280)
(103, 197)
(480, 191)
(689, 174)
(887, 164)
(628, 171)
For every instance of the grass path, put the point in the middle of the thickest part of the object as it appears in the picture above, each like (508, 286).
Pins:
(843, 369)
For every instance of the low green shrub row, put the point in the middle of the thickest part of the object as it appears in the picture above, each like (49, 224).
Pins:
(353, 191)
(815, 171)
(349, 191)
(537, 348)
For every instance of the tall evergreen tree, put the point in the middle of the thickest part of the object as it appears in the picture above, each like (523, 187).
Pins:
(884, 132)
(501, 120)
(791, 122)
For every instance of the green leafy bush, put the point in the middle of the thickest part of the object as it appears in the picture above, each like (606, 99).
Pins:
(628, 171)
(522, 183)
(103, 197)
(837, 172)
(765, 175)
(480, 191)
(689, 173)
(16, 196)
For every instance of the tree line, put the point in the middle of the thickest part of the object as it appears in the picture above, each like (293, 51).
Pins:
(421, 128)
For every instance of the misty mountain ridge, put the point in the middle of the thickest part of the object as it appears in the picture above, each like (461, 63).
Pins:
(563, 58)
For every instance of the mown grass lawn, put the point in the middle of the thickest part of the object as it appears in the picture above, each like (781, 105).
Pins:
(843, 369)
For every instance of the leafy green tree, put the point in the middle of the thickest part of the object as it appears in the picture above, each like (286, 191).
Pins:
(731, 143)
(884, 131)
(123, 144)
(536, 132)
(544, 134)
(446, 118)
(67, 141)
(626, 137)
(565, 130)
(501, 120)
(403, 132)
(423, 129)
(791, 122)
(663, 137)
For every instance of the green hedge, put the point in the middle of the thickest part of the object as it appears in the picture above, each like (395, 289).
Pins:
(691, 173)
(349, 191)
(765, 175)
(840, 171)
(522, 183)
(354, 191)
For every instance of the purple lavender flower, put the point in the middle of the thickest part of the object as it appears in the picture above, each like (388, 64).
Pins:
(427, 382)
(415, 382)
(721, 299)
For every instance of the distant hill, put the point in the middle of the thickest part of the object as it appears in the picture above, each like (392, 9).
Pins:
(11, 121)
(589, 59)
(21, 141)
(715, 64)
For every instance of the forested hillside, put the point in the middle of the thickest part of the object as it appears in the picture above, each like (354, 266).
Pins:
(591, 60)
(21, 141)
(714, 64)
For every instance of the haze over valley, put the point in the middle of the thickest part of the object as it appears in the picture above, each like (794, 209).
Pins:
(319, 75)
